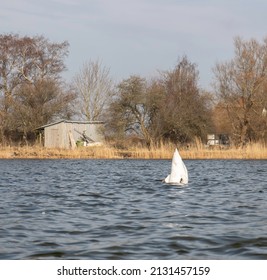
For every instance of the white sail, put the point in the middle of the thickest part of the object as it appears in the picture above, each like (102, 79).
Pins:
(179, 174)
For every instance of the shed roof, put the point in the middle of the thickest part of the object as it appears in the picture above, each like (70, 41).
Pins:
(69, 121)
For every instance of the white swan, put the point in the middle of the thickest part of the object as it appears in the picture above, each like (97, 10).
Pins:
(179, 174)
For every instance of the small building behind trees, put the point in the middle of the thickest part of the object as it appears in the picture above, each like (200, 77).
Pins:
(218, 140)
(68, 134)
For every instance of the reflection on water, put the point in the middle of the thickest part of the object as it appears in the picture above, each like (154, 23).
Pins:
(120, 209)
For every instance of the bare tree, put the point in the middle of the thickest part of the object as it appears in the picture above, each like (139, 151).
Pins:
(40, 103)
(25, 61)
(184, 112)
(129, 112)
(171, 107)
(241, 88)
(29, 59)
(94, 88)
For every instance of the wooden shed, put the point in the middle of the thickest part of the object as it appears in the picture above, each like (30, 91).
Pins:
(67, 134)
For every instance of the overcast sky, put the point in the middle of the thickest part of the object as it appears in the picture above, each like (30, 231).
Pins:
(139, 36)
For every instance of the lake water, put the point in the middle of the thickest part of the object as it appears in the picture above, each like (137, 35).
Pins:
(119, 209)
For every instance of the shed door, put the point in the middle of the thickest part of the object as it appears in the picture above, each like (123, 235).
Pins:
(55, 138)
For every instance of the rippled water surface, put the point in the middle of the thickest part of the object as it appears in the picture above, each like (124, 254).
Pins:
(120, 209)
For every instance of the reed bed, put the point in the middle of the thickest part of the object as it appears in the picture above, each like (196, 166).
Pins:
(251, 151)
(161, 151)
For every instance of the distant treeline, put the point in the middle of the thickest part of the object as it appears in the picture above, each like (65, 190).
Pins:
(168, 108)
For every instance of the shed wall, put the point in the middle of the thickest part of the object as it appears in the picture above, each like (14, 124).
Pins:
(58, 135)
(53, 136)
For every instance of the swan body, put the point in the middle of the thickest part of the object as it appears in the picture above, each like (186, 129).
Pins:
(179, 174)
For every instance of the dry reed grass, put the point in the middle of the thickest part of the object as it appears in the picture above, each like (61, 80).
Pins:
(161, 151)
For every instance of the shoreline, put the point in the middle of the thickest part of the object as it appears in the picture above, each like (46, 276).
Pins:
(108, 152)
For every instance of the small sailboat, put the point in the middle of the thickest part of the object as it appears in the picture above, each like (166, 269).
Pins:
(179, 174)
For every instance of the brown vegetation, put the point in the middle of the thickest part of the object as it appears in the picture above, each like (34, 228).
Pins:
(195, 151)
(241, 85)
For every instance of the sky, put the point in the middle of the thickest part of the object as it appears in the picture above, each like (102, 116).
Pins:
(139, 37)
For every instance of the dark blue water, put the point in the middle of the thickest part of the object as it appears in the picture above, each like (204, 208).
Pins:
(119, 209)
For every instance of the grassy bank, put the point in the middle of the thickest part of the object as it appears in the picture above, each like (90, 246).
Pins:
(196, 151)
